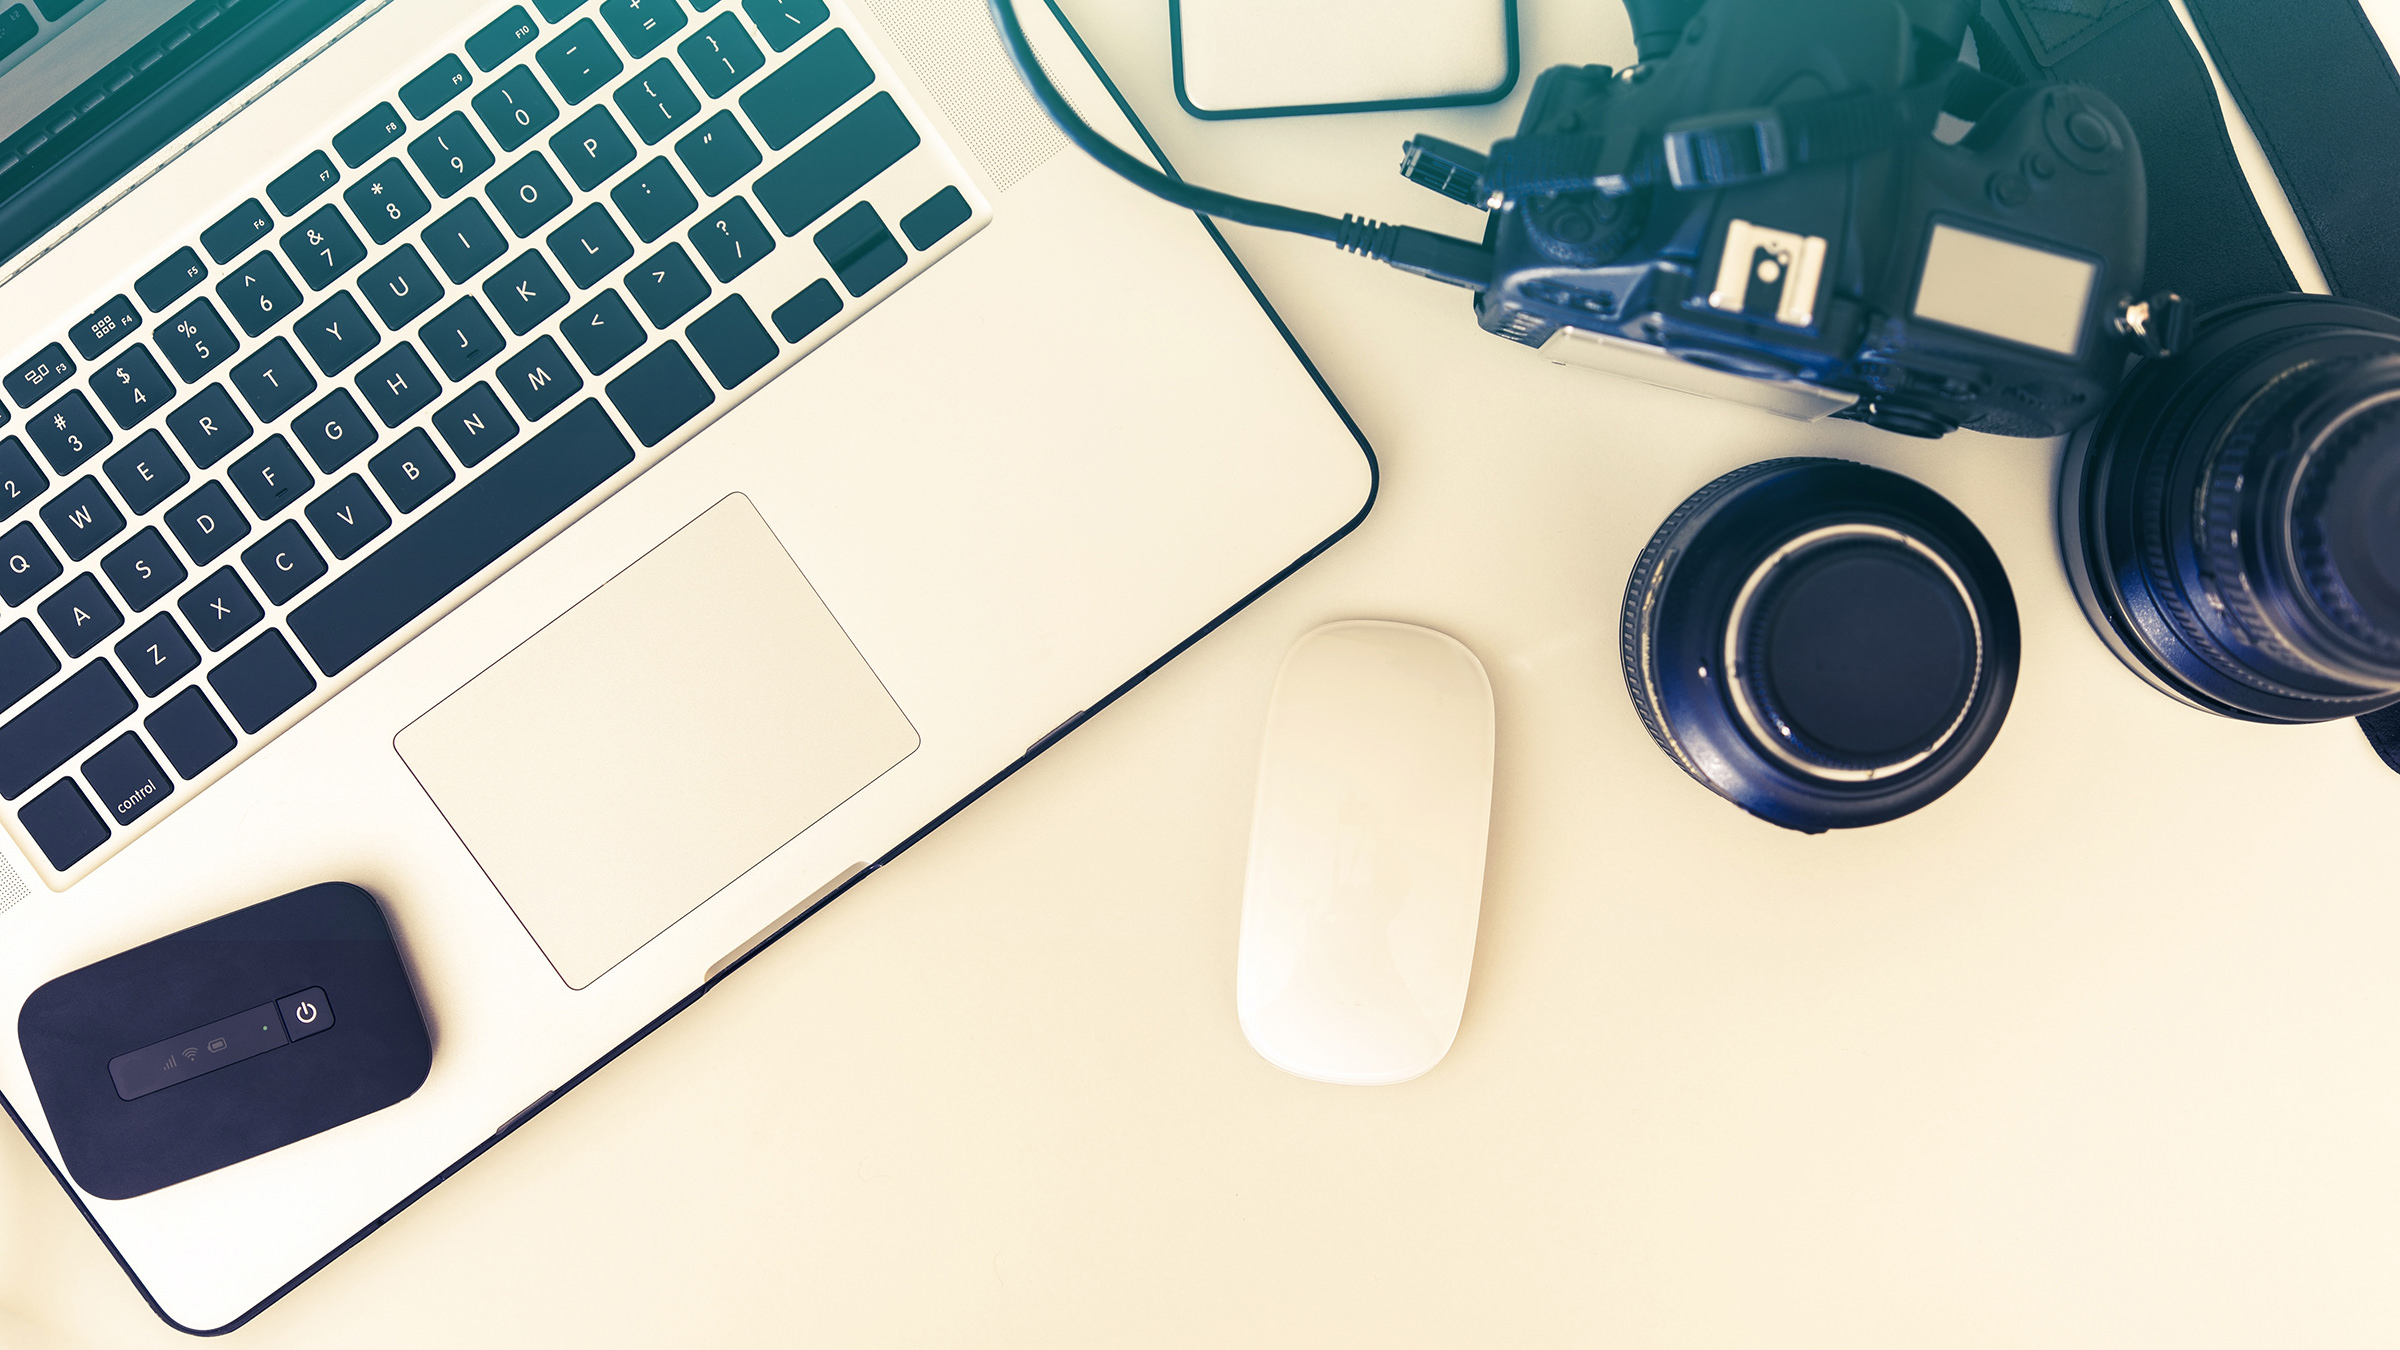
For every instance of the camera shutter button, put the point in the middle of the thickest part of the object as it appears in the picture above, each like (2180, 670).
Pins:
(2089, 131)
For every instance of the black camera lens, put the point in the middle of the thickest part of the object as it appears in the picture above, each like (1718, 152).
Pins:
(1824, 644)
(2232, 524)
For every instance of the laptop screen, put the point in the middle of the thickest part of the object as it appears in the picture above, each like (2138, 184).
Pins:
(47, 47)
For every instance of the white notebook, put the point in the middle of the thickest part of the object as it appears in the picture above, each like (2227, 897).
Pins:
(1263, 58)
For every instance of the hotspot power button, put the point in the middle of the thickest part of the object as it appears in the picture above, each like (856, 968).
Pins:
(305, 1013)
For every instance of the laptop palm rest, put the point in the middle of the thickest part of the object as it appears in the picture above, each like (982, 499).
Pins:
(656, 741)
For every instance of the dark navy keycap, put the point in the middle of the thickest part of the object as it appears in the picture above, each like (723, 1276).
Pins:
(398, 384)
(732, 341)
(579, 62)
(807, 89)
(303, 183)
(80, 614)
(654, 199)
(284, 563)
(412, 470)
(147, 472)
(731, 239)
(144, 570)
(475, 424)
(370, 135)
(132, 386)
(26, 662)
(347, 516)
(157, 654)
(400, 287)
(525, 292)
(590, 246)
(207, 523)
(451, 155)
(337, 333)
(539, 378)
(515, 108)
(643, 24)
(718, 152)
(259, 294)
(57, 726)
(196, 340)
(808, 311)
(105, 327)
(21, 480)
(501, 39)
(860, 249)
(270, 477)
(241, 227)
(62, 821)
(784, 22)
(262, 681)
(656, 102)
(668, 286)
(603, 332)
(272, 380)
(209, 426)
(416, 568)
(82, 518)
(69, 432)
(34, 381)
(660, 393)
(460, 338)
(721, 55)
(943, 212)
(820, 175)
(323, 247)
(334, 431)
(527, 194)
(443, 81)
(189, 732)
(26, 564)
(220, 608)
(465, 241)
(126, 779)
(592, 147)
(387, 201)
(171, 280)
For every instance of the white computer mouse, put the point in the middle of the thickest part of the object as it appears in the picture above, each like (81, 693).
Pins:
(1366, 854)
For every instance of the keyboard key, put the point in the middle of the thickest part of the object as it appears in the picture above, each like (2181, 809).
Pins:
(62, 821)
(721, 55)
(515, 108)
(451, 155)
(147, 472)
(539, 379)
(475, 424)
(82, 518)
(501, 39)
(643, 24)
(196, 340)
(284, 564)
(126, 779)
(80, 614)
(860, 249)
(461, 338)
(823, 173)
(784, 22)
(16, 29)
(207, 523)
(221, 609)
(732, 341)
(555, 10)
(189, 733)
(660, 393)
(270, 478)
(144, 570)
(26, 662)
(808, 311)
(445, 80)
(668, 286)
(943, 212)
(398, 384)
(58, 726)
(412, 470)
(26, 564)
(732, 239)
(654, 200)
(807, 89)
(335, 431)
(209, 426)
(272, 381)
(171, 280)
(259, 294)
(21, 480)
(337, 334)
(593, 147)
(262, 681)
(465, 241)
(400, 287)
(519, 494)
(369, 136)
(132, 387)
(68, 432)
(590, 246)
(717, 153)
(323, 247)
(527, 194)
(243, 226)
(105, 327)
(347, 516)
(157, 654)
(32, 382)
(579, 62)
(603, 332)
(387, 201)
(525, 292)
(303, 183)
(657, 102)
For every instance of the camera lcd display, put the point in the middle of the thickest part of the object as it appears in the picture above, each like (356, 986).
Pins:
(2006, 290)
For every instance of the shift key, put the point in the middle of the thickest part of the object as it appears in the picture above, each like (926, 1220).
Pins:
(58, 726)
(824, 173)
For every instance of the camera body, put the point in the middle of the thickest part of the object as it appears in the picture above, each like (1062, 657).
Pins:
(1773, 207)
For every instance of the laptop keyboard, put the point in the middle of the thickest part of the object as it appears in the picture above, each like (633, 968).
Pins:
(538, 262)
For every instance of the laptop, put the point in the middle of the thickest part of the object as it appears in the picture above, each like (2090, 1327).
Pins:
(598, 478)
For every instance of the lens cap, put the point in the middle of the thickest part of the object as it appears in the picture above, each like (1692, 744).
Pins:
(1826, 645)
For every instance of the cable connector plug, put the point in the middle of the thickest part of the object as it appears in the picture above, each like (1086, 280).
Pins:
(1422, 252)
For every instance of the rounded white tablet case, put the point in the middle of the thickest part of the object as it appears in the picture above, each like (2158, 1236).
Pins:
(1270, 58)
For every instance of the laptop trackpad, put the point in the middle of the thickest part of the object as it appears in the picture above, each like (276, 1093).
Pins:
(657, 741)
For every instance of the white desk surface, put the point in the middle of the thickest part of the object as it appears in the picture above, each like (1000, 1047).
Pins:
(2099, 1050)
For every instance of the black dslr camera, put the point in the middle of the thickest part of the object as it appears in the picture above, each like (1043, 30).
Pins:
(1816, 208)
